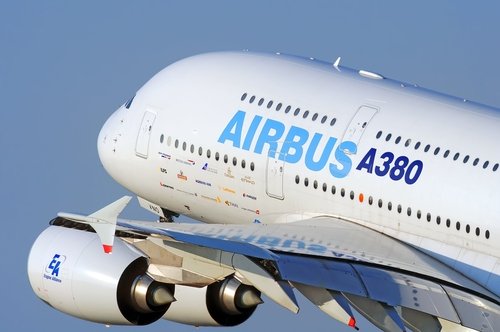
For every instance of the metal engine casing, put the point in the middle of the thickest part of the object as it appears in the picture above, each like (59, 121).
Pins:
(68, 270)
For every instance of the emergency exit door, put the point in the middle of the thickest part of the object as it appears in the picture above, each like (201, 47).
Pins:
(144, 136)
(274, 175)
(358, 124)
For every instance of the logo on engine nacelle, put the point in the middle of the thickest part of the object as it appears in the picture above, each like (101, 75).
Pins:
(52, 269)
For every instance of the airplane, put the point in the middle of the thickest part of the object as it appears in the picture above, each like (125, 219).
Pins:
(369, 196)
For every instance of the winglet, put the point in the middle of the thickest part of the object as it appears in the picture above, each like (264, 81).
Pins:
(102, 221)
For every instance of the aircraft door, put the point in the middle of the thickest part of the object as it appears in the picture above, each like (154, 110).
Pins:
(144, 136)
(359, 123)
(274, 175)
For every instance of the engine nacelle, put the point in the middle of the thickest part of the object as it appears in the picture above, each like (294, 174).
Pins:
(224, 303)
(68, 269)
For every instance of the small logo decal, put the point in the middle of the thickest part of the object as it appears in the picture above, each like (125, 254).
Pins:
(228, 173)
(248, 179)
(187, 192)
(164, 155)
(164, 185)
(209, 169)
(185, 162)
(208, 184)
(249, 196)
(53, 268)
(250, 210)
(228, 190)
(229, 203)
(181, 176)
(213, 199)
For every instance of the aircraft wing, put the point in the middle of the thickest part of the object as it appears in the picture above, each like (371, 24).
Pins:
(336, 264)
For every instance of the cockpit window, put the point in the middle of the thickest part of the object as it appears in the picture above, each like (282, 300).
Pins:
(129, 102)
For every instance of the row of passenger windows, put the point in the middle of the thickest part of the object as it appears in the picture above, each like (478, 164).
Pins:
(389, 206)
(288, 109)
(177, 144)
(437, 150)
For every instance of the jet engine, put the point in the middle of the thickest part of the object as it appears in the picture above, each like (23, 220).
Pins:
(68, 270)
(224, 303)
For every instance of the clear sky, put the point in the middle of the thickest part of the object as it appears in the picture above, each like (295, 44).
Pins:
(66, 66)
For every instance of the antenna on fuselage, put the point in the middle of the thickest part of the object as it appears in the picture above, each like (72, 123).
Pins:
(337, 63)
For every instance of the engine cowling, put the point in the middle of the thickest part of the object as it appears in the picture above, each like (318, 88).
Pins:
(224, 303)
(68, 269)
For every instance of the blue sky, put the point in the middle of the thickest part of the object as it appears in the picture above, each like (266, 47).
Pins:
(66, 66)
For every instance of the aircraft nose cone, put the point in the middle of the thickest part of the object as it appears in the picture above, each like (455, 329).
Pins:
(108, 141)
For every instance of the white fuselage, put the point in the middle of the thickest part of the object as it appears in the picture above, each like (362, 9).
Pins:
(245, 137)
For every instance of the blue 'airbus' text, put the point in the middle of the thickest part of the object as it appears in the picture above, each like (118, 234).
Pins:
(297, 144)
